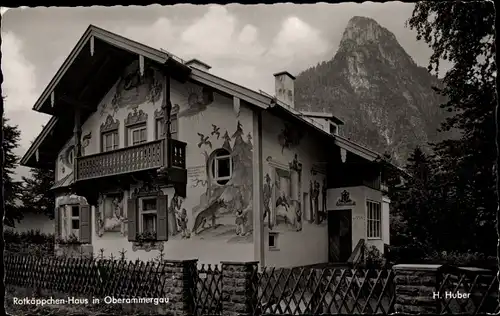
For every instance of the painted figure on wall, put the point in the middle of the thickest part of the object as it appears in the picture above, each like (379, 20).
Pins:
(290, 137)
(182, 222)
(113, 213)
(225, 209)
(177, 218)
(267, 195)
(133, 89)
(318, 205)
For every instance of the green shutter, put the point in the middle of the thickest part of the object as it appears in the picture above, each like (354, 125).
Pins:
(132, 219)
(85, 227)
(161, 218)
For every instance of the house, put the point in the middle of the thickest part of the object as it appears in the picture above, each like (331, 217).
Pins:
(153, 154)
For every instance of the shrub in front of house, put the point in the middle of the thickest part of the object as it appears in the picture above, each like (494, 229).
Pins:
(30, 242)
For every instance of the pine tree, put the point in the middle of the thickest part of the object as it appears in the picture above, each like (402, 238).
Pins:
(464, 34)
(12, 189)
(37, 196)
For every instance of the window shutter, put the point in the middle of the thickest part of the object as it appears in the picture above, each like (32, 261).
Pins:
(85, 226)
(57, 221)
(132, 219)
(161, 217)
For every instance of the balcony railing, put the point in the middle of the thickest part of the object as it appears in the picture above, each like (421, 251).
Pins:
(124, 160)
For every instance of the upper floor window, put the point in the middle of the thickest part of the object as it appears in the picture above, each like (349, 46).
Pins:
(110, 141)
(222, 166)
(137, 135)
(136, 128)
(374, 219)
(109, 134)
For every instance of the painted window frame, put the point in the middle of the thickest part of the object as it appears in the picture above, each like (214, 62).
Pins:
(110, 126)
(275, 236)
(214, 166)
(114, 139)
(274, 166)
(141, 212)
(130, 134)
(373, 220)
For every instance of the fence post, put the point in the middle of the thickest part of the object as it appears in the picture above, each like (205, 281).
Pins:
(239, 288)
(417, 287)
(180, 286)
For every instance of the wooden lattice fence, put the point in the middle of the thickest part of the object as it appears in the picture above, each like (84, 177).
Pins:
(275, 291)
(310, 291)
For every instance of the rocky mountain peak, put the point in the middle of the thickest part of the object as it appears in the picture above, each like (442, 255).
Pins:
(364, 30)
(372, 84)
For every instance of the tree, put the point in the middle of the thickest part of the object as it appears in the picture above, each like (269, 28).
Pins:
(37, 196)
(464, 34)
(12, 188)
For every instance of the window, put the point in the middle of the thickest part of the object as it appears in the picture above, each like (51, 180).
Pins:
(71, 156)
(222, 166)
(147, 215)
(374, 220)
(109, 141)
(333, 129)
(137, 135)
(75, 217)
(273, 240)
(160, 126)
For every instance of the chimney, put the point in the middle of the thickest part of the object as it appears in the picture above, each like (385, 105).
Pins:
(284, 88)
(195, 63)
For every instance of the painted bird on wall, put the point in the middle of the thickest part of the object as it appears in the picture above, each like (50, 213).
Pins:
(204, 141)
(216, 131)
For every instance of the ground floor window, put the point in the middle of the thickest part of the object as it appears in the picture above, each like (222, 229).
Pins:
(374, 219)
(73, 223)
(147, 215)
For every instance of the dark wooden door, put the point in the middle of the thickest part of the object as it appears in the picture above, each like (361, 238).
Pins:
(339, 235)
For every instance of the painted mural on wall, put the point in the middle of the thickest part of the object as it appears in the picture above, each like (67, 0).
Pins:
(178, 218)
(290, 136)
(317, 197)
(110, 215)
(68, 152)
(282, 196)
(133, 89)
(195, 101)
(225, 208)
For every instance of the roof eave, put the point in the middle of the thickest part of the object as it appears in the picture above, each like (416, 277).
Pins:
(38, 141)
(108, 37)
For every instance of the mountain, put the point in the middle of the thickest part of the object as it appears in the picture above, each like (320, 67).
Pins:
(373, 85)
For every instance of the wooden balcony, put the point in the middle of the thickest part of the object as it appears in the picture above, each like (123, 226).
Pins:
(142, 157)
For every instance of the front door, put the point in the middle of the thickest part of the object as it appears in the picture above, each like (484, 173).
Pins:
(339, 235)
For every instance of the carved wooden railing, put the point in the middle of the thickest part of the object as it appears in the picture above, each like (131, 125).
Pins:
(176, 154)
(140, 157)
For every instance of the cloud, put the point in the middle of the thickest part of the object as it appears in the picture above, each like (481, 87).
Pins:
(297, 40)
(236, 51)
(19, 88)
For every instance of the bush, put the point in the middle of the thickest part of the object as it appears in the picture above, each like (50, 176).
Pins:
(467, 259)
(30, 242)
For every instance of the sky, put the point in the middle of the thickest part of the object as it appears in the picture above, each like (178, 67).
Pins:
(245, 44)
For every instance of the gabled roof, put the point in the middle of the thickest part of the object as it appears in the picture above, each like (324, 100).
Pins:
(97, 40)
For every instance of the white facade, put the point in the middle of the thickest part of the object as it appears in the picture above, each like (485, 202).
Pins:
(276, 191)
